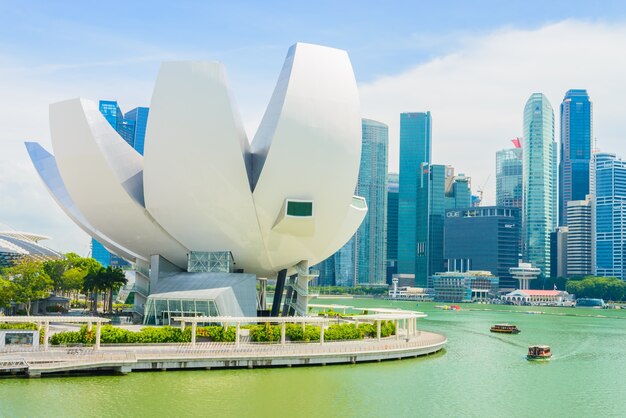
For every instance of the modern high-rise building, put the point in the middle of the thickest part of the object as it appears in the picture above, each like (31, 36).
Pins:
(575, 150)
(438, 189)
(484, 238)
(509, 176)
(539, 182)
(361, 261)
(579, 238)
(392, 225)
(609, 214)
(558, 252)
(415, 155)
(132, 128)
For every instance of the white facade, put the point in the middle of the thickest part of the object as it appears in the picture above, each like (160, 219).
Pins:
(201, 186)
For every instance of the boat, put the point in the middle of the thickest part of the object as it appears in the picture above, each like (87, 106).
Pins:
(539, 352)
(505, 329)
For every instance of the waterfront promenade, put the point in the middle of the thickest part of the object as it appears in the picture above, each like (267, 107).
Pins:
(128, 358)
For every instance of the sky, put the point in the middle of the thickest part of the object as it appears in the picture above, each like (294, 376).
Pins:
(473, 64)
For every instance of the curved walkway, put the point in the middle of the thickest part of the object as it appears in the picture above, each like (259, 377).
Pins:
(124, 359)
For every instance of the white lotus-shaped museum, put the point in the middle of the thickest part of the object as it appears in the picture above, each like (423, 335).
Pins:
(281, 200)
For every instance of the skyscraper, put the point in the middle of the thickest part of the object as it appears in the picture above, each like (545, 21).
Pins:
(392, 225)
(415, 154)
(575, 150)
(509, 176)
(609, 216)
(579, 238)
(483, 238)
(539, 181)
(132, 128)
(361, 261)
(438, 189)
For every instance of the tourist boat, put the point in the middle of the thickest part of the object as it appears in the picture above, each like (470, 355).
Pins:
(505, 329)
(539, 352)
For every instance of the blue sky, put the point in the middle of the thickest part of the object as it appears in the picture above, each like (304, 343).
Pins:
(473, 64)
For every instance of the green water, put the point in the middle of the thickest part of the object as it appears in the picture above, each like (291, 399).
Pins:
(479, 374)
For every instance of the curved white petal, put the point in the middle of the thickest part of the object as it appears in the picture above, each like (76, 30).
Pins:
(195, 166)
(352, 221)
(308, 147)
(46, 167)
(102, 174)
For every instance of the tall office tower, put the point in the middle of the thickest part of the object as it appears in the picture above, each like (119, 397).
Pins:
(483, 238)
(509, 176)
(438, 189)
(539, 182)
(371, 250)
(132, 128)
(558, 252)
(609, 216)
(415, 154)
(575, 150)
(361, 261)
(579, 238)
(392, 225)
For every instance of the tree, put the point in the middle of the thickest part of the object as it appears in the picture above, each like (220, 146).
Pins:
(607, 288)
(55, 270)
(30, 282)
(7, 292)
(113, 280)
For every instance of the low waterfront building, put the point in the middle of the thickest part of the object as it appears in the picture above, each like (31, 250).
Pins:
(524, 272)
(538, 297)
(466, 286)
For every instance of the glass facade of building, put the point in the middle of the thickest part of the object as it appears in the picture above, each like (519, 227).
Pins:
(438, 189)
(392, 225)
(609, 216)
(509, 178)
(361, 261)
(483, 238)
(415, 155)
(465, 287)
(579, 238)
(132, 128)
(539, 182)
(575, 150)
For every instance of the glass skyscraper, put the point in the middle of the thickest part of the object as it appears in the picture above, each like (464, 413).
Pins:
(361, 261)
(132, 128)
(415, 155)
(438, 189)
(392, 225)
(609, 216)
(539, 182)
(575, 150)
(509, 177)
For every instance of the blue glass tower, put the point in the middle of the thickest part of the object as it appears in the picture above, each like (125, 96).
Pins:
(539, 182)
(132, 128)
(415, 155)
(575, 152)
(392, 226)
(610, 216)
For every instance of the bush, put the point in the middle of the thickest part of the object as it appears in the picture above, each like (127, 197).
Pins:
(295, 333)
(265, 333)
(367, 330)
(337, 332)
(217, 333)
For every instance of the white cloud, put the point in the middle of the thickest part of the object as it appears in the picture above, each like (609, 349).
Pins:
(477, 94)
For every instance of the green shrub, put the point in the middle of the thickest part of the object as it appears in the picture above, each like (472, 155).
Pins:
(295, 333)
(367, 330)
(217, 333)
(387, 328)
(265, 333)
(337, 332)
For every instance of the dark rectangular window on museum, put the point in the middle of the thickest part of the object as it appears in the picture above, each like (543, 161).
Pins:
(299, 208)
